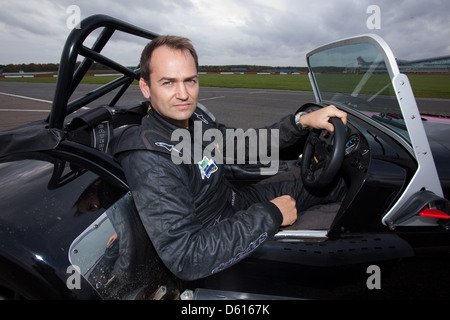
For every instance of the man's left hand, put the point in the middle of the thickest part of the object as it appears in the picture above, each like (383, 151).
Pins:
(319, 119)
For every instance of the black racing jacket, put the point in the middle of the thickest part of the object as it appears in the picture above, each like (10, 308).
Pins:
(185, 202)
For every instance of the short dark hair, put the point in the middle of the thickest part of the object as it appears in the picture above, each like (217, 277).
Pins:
(173, 42)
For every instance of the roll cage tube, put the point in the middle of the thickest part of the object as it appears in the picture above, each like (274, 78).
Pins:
(68, 79)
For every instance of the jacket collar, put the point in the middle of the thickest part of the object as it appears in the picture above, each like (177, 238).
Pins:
(156, 131)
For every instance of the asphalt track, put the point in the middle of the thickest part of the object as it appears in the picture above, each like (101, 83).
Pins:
(242, 108)
(21, 103)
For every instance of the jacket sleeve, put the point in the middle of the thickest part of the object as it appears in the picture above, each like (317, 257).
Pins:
(165, 204)
(286, 131)
(289, 132)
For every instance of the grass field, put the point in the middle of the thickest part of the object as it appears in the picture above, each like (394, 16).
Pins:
(424, 85)
(257, 81)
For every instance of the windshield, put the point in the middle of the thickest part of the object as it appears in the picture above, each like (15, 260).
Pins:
(355, 75)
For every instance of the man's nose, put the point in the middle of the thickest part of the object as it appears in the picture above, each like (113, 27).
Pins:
(182, 93)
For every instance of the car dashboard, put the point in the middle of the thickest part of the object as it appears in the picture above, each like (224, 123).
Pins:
(376, 168)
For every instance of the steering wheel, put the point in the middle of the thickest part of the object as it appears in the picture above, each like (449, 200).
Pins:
(323, 155)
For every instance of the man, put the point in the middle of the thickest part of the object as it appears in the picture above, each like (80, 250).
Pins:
(200, 224)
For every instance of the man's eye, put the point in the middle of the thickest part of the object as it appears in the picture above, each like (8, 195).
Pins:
(167, 83)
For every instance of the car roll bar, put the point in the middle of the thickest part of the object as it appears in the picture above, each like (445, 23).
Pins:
(69, 77)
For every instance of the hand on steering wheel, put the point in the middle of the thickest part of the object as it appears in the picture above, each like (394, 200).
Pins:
(323, 155)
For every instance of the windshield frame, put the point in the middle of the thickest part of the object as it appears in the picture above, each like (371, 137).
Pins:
(382, 119)
(426, 177)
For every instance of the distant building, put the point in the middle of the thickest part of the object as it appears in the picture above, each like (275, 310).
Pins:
(283, 70)
(238, 69)
(429, 65)
(439, 64)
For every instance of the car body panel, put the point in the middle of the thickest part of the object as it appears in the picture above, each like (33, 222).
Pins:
(36, 233)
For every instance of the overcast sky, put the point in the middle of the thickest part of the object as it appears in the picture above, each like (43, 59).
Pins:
(254, 32)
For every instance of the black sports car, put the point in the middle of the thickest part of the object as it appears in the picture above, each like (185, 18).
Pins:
(69, 228)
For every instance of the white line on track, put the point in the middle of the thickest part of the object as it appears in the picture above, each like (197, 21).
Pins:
(24, 97)
(26, 110)
(213, 98)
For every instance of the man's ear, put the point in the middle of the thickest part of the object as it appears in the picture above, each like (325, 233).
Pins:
(145, 89)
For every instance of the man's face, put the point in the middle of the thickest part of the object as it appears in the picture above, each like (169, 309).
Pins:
(173, 86)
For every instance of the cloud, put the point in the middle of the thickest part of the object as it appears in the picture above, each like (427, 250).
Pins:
(277, 33)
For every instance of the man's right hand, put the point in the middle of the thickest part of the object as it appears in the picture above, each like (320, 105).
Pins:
(288, 209)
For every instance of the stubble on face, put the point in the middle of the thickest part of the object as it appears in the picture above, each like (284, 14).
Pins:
(173, 85)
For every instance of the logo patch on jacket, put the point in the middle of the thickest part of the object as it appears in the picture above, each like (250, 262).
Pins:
(207, 167)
